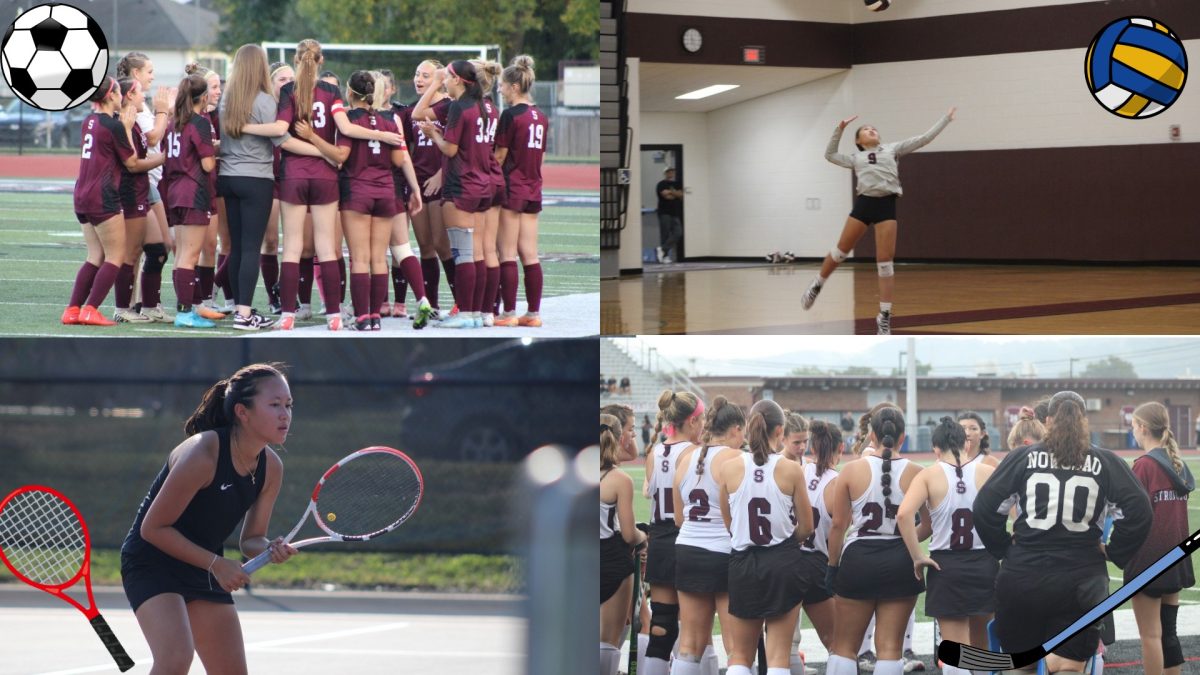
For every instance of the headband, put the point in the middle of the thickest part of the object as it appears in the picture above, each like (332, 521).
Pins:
(278, 69)
(605, 427)
(669, 430)
(112, 84)
(450, 69)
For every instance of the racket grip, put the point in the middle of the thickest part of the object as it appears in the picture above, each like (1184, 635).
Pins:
(113, 644)
(258, 562)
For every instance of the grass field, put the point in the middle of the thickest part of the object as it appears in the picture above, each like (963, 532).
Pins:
(1190, 596)
(41, 248)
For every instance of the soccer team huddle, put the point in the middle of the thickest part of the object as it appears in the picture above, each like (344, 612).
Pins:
(208, 175)
(756, 515)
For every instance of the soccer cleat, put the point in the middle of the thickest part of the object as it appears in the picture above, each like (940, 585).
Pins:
(129, 316)
(70, 316)
(489, 320)
(460, 321)
(810, 295)
(192, 320)
(883, 323)
(362, 323)
(333, 322)
(347, 314)
(385, 309)
(157, 314)
(376, 322)
(400, 311)
(286, 322)
(866, 661)
(304, 313)
(477, 320)
(90, 316)
(424, 311)
(530, 321)
(207, 313)
(453, 311)
(911, 662)
(508, 320)
(275, 308)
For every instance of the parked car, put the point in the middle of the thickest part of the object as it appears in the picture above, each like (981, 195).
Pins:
(38, 127)
(479, 408)
(68, 128)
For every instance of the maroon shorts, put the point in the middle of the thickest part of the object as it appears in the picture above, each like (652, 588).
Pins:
(95, 218)
(179, 215)
(308, 191)
(472, 205)
(498, 195)
(401, 204)
(522, 205)
(428, 199)
(376, 207)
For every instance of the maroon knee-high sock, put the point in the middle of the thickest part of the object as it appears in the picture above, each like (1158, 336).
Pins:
(185, 282)
(83, 284)
(379, 289)
(151, 288)
(306, 280)
(330, 286)
(341, 267)
(222, 277)
(480, 286)
(289, 282)
(508, 284)
(491, 292)
(205, 286)
(431, 271)
(464, 290)
(269, 264)
(533, 286)
(360, 293)
(451, 270)
(103, 283)
(411, 271)
(400, 284)
(124, 287)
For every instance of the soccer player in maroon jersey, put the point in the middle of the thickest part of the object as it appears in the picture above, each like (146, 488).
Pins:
(207, 264)
(429, 225)
(487, 263)
(369, 204)
(106, 146)
(310, 184)
(135, 204)
(520, 148)
(466, 190)
(190, 193)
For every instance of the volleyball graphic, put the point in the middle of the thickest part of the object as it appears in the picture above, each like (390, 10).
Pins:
(1136, 67)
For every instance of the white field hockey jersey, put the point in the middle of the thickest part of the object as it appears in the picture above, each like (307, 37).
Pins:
(609, 527)
(762, 514)
(702, 523)
(877, 169)
(953, 520)
(822, 521)
(868, 517)
(662, 480)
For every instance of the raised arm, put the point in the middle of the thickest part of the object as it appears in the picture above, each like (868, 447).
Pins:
(831, 150)
(917, 142)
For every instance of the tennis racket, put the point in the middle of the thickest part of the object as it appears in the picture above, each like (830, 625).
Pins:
(45, 543)
(367, 494)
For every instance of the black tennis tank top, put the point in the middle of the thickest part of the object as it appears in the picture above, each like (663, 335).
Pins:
(212, 514)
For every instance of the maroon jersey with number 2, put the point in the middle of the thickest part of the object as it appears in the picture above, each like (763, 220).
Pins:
(105, 149)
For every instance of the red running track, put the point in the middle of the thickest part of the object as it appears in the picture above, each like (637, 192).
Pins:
(555, 176)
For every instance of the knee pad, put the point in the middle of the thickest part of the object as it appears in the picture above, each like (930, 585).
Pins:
(1172, 650)
(156, 257)
(666, 617)
(838, 255)
(461, 246)
(886, 269)
(400, 252)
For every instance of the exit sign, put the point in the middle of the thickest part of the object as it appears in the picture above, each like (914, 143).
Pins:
(754, 54)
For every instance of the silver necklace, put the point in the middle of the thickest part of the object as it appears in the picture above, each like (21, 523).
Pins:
(233, 457)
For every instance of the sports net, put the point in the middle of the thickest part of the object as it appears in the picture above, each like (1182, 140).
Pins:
(41, 538)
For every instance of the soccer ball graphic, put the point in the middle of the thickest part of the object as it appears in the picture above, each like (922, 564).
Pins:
(54, 57)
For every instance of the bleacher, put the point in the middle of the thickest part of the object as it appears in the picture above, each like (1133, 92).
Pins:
(621, 358)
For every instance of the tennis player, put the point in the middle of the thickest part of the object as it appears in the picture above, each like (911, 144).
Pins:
(173, 567)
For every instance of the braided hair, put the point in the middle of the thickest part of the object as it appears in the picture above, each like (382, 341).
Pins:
(718, 420)
(888, 426)
(949, 435)
(1154, 417)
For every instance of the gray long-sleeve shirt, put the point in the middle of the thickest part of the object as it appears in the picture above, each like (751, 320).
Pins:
(878, 169)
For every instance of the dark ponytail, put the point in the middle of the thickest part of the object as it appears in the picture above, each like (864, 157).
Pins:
(824, 439)
(192, 88)
(888, 426)
(718, 420)
(473, 90)
(765, 417)
(216, 409)
(1068, 436)
(949, 435)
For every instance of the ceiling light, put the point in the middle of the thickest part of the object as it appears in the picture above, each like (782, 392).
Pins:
(707, 91)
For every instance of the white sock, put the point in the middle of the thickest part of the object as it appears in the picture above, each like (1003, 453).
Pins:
(889, 667)
(912, 618)
(655, 667)
(885, 306)
(685, 665)
(738, 670)
(708, 662)
(610, 658)
(795, 665)
(840, 665)
(779, 671)
(643, 642)
(868, 642)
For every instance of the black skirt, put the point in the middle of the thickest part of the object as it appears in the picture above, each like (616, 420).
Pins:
(143, 579)
(660, 555)
(812, 567)
(699, 570)
(965, 586)
(766, 582)
(877, 569)
(616, 564)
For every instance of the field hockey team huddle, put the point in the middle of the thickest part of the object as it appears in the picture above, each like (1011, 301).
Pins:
(753, 520)
(221, 170)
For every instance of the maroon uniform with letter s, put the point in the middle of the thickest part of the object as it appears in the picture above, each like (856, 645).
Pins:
(309, 180)
(135, 187)
(523, 130)
(105, 149)
(466, 175)
(365, 180)
(426, 158)
(494, 170)
(190, 194)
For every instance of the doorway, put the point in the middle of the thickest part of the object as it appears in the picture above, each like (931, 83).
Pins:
(655, 160)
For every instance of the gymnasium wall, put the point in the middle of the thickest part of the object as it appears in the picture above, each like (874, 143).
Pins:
(691, 131)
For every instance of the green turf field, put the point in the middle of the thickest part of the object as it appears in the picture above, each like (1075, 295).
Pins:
(1191, 596)
(41, 248)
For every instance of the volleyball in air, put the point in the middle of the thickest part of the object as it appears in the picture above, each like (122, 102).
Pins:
(1136, 67)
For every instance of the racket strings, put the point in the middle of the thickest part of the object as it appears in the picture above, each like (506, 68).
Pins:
(42, 538)
(369, 493)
